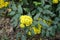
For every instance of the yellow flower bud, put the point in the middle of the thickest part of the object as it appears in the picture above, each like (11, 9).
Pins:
(44, 21)
(55, 1)
(29, 33)
(39, 19)
(37, 30)
(22, 25)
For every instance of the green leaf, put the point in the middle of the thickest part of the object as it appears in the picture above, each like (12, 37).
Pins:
(20, 9)
(43, 33)
(18, 35)
(27, 9)
(50, 28)
(47, 6)
(59, 13)
(35, 22)
(47, 33)
(46, 18)
(36, 16)
(23, 37)
(57, 19)
(12, 13)
(33, 12)
(1, 10)
(32, 32)
(55, 27)
(36, 3)
(58, 9)
(14, 24)
(52, 32)
(40, 9)
(47, 12)
(27, 30)
(42, 3)
(43, 24)
(14, 7)
(29, 14)
(58, 27)
(15, 19)
(25, 2)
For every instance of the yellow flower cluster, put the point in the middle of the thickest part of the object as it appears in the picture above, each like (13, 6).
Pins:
(3, 3)
(25, 21)
(55, 1)
(48, 22)
(45, 21)
(29, 33)
(37, 30)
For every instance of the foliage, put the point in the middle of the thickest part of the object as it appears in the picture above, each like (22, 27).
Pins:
(43, 12)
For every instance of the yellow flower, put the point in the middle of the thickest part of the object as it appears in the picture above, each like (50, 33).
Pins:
(6, 4)
(49, 22)
(29, 33)
(37, 30)
(0, 6)
(55, 1)
(3, 3)
(39, 26)
(26, 20)
(22, 25)
(44, 21)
